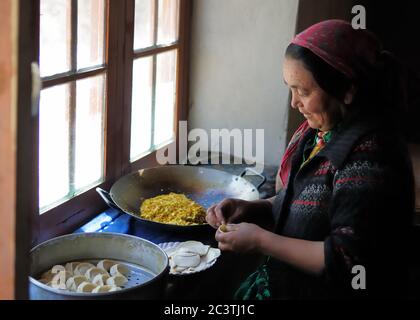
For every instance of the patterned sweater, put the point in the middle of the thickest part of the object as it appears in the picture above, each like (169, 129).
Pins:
(357, 196)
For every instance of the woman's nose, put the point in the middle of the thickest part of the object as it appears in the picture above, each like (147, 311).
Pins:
(295, 102)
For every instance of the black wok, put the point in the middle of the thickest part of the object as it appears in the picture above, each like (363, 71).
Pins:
(203, 185)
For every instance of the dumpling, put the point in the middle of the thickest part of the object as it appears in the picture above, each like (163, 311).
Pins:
(93, 272)
(119, 268)
(57, 268)
(100, 279)
(44, 281)
(106, 264)
(81, 268)
(70, 266)
(213, 254)
(86, 287)
(73, 282)
(59, 280)
(117, 280)
(114, 288)
(105, 288)
(186, 259)
(47, 276)
(194, 247)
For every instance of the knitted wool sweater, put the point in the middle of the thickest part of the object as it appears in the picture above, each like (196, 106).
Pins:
(357, 196)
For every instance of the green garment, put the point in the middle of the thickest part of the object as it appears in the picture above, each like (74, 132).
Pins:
(255, 287)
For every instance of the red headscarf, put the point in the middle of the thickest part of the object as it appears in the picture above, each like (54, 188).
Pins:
(351, 52)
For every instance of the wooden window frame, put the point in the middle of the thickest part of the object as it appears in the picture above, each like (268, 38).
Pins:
(119, 57)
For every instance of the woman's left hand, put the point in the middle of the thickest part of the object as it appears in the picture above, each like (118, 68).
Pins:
(242, 237)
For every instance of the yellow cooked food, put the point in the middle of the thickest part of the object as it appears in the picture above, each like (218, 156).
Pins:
(173, 208)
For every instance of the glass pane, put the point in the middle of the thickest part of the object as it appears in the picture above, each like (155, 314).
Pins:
(90, 33)
(143, 25)
(141, 109)
(53, 145)
(165, 96)
(54, 37)
(168, 21)
(89, 131)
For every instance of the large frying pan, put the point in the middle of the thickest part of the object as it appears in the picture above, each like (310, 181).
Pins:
(203, 185)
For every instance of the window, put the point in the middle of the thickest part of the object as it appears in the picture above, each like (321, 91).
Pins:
(114, 86)
(154, 75)
(72, 102)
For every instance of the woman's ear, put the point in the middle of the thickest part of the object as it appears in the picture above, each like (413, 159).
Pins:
(349, 96)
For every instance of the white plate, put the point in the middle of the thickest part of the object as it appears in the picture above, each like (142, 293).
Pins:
(167, 246)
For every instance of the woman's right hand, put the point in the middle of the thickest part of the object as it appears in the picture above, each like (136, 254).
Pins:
(236, 210)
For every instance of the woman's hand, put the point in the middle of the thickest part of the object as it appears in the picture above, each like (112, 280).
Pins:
(226, 211)
(243, 237)
(237, 210)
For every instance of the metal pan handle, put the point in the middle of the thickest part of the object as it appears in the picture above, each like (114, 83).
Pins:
(107, 198)
(264, 179)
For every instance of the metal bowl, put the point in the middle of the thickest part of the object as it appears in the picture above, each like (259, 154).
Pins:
(148, 264)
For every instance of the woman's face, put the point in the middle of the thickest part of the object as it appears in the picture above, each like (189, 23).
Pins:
(320, 109)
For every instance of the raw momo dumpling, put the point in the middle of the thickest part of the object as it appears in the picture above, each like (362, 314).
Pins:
(70, 266)
(194, 247)
(213, 254)
(191, 256)
(86, 287)
(93, 272)
(114, 288)
(73, 282)
(186, 259)
(81, 268)
(47, 276)
(117, 280)
(105, 288)
(59, 280)
(119, 268)
(106, 264)
(100, 279)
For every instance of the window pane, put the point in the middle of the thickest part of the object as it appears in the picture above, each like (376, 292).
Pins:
(141, 110)
(53, 145)
(54, 36)
(143, 26)
(168, 21)
(89, 131)
(90, 33)
(165, 96)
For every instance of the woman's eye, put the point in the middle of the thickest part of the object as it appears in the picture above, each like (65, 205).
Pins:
(302, 93)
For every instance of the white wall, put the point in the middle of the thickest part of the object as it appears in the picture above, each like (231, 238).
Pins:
(236, 67)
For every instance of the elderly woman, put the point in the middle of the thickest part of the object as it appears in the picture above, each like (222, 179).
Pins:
(338, 225)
